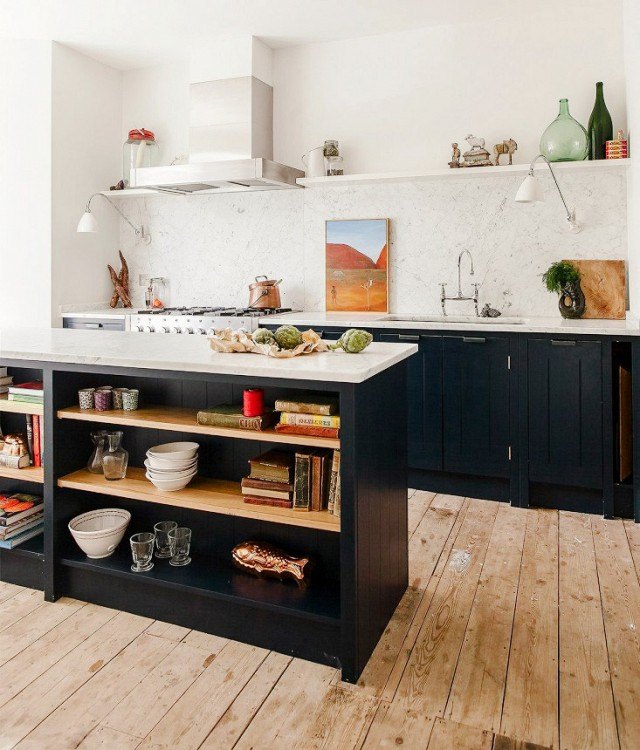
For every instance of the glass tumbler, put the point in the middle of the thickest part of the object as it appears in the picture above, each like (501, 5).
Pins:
(181, 544)
(142, 551)
(163, 542)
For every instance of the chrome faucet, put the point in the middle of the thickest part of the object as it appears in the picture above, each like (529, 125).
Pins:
(459, 296)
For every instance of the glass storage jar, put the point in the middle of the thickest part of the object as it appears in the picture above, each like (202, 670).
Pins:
(139, 150)
(116, 458)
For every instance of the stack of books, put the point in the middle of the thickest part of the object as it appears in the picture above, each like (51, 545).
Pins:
(270, 480)
(21, 518)
(5, 380)
(317, 416)
(317, 480)
(230, 415)
(28, 393)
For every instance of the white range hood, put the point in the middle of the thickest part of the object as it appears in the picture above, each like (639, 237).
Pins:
(230, 143)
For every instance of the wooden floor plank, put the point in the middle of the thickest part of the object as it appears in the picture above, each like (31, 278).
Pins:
(82, 712)
(19, 606)
(633, 537)
(425, 550)
(478, 687)
(427, 679)
(289, 710)
(500, 742)
(620, 594)
(213, 644)
(138, 714)
(403, 656)
(40, 656)
(9, 590)
(395, 725)
(418, 504)
(108, 739)
(241, 712)
(587, 714)
(189, 721)
(167, 630)
(449, 735)
(44, 695)
(530, 710)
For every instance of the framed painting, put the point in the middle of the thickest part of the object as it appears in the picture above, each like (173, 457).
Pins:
(357, 277)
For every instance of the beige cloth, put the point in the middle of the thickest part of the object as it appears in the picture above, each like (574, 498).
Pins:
(228, 341)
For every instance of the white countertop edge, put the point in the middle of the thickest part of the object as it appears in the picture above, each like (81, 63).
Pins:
(189, 354)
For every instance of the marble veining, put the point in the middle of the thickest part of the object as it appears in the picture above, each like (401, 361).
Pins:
(211, 247)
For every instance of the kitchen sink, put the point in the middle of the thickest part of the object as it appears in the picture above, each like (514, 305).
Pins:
(466, 319)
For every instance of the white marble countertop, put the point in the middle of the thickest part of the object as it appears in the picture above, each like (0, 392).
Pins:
(100, 312)
(454, 323)
(192, 354)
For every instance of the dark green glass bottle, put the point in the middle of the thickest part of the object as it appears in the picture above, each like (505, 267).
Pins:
(600, 128)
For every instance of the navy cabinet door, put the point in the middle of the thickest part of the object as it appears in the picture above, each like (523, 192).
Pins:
(565, 412)
(424, 400)
(476, 405)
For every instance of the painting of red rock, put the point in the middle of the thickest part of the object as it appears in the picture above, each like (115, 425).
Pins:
(357, 265)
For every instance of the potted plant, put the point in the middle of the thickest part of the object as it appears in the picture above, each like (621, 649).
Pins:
(563, 278)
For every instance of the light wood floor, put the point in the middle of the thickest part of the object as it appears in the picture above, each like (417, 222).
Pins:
(519, 625)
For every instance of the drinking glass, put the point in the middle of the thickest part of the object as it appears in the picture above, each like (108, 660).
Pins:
(181, 544)
(163, 542)
(142, 551)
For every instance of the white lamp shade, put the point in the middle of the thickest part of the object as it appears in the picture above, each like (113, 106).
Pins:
(530, 191)
(87, 223)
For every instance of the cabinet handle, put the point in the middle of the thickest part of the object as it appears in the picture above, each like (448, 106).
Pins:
(563, 342)
(473, 340)
(93, 325)
(408, 337)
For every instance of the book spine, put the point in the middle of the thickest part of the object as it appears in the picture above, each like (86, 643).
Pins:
(290, 429)
(25, 399)
(304, 408)
(41, 437)
(335, 471)
(270, 501)
(337, 500)
(14, 462)
(301, 484)
(29, 423)
(237, 421)
(36, 441)
(267, 484)
(316, 481)
(309, 420)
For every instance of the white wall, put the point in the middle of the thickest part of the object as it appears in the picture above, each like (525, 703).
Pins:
(86, 151)
(25, 182)
(396, 102)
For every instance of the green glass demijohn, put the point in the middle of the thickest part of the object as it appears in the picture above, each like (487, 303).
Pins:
(565, 139)
(600, 127)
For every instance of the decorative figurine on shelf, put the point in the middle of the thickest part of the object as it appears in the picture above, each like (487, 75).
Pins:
(506, 147)
(455, 156)
(477, 156)
(120, 284)
(262, 559)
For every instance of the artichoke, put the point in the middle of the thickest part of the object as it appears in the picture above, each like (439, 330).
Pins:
(288, 337)
(354, 341)
(263, 336)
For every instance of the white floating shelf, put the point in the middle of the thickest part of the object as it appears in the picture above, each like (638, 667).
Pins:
(131, 193)
(462, 173)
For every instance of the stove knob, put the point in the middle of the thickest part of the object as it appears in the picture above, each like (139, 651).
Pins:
(187, 330)
(148, 329)
(176, 329)
(137, 328)
(201, 331)
(163, 329)
(211, 331)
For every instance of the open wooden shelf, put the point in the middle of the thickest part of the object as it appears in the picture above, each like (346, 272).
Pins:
(216, 577)
(178, 419)
(212, 495)
(28, 474)
(19, 407)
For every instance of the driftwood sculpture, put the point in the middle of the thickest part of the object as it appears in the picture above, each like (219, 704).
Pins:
(120, 284)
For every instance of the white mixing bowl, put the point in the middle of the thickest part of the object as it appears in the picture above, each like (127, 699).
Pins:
(99, 532)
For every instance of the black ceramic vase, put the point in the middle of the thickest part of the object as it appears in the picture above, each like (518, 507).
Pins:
(572, 303)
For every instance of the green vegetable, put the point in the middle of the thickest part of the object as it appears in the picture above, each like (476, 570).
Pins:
(353, 341)
(288, 337)
(263, 336)
(560, 275)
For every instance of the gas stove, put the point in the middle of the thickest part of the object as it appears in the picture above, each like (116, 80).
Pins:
(200, 320)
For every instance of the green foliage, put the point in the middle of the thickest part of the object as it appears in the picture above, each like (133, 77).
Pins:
(560, 275)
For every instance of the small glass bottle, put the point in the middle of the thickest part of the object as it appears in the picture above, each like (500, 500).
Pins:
(94, 464)
(139, 150)
(116, 458)
(565, 139)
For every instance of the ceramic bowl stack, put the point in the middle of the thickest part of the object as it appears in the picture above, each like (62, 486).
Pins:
(172, 466)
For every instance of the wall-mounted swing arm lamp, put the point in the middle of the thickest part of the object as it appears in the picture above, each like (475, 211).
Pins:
(531, 192)
(88, 221)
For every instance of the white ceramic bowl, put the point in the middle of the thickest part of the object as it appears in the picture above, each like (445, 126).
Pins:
(168, 476)
(153, 466)
(174, 451)
(170, 485)
(99, 532)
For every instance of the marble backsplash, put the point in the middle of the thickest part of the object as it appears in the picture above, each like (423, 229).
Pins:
(211, 247)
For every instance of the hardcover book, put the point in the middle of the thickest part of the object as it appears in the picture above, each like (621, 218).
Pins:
(267, 484)
(230, 415)
(334, 486)
(319, 404)
(8, 532)
(23, 399)
(15, 462)
(33, 388)
(271, 501)
(321, 477)
(18, 540)
(302, 481)
(309, 420)
(16, 507)
(262, 492)
(274, 464)
(290, 429)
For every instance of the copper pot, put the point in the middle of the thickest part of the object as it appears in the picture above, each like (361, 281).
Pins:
(264, 293)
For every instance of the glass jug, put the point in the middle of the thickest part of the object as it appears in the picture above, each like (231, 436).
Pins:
(116, 458)
(99, 438)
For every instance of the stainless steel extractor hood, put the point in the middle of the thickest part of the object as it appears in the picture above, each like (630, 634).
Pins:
(230, 143)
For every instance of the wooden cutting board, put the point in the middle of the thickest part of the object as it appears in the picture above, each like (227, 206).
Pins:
(605, 287)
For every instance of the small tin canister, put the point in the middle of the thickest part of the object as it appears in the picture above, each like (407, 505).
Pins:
(86, 398)
(130, 399)
(117, 397)
(103, 399)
